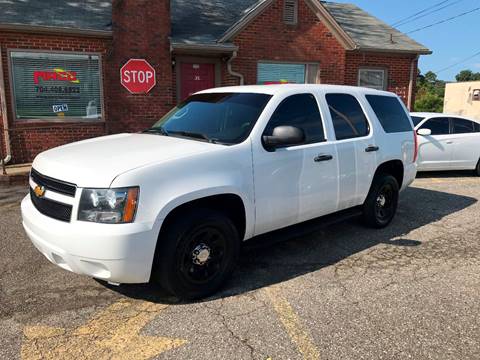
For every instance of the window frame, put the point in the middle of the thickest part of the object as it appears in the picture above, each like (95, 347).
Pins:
(322, 122)
(452, 126)
(306, 64)
(365, 113)
(426, 120)
(384, 70)
(66, 119)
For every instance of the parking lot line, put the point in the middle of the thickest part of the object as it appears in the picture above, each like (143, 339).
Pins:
(112, 334)
(293, 324)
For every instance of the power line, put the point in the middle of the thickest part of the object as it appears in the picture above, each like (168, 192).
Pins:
(458, 63)
(428, 13)
(420, 12)
(443, 21)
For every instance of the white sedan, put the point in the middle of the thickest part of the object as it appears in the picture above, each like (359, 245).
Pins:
(447, 142)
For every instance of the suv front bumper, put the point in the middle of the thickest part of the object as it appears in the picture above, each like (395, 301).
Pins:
(119, 253)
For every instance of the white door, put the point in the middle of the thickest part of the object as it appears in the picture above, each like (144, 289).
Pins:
(466, 144)
(296, 183)
(356, 149)
(435, 151)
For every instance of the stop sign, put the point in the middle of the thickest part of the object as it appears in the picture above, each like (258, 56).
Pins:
(138, 76)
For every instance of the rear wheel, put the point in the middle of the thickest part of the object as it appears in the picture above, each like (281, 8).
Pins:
(381, 204)
(196, 253)
(477, 169)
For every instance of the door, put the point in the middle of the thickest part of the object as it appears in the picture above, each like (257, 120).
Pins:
(196, 77)
(466, 144)
(356, 150)
(296, 183)
(435, 151)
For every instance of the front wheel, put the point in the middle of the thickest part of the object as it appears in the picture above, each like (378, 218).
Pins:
(381, 204)
(196, 253)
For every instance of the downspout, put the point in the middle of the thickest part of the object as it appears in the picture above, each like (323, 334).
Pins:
(412, 82)
(3, 111)
(230, 70)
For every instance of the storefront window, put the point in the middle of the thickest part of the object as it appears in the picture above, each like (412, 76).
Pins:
(56, 85)
(287, 73)
(372, 78)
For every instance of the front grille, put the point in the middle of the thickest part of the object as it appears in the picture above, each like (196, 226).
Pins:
(51, 208)
(48, 183)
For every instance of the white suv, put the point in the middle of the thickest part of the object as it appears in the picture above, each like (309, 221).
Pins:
(173, 204)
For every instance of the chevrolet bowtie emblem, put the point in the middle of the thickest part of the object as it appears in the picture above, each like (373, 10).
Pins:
(39, 191)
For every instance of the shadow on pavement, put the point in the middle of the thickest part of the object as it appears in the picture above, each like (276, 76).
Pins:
(271, 262)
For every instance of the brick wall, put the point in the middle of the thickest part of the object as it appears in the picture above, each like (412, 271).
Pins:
(267, 37)
(141, 28)
(29, 139)
(398, 70)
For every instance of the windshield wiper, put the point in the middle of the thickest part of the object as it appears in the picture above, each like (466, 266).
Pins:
(191, 135)
(159, 130)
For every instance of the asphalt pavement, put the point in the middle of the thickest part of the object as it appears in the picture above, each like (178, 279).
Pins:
(410, 291)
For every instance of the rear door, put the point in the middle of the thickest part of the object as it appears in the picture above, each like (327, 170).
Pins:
(295, 183)
(356, 148)
(466, 143)
(435, 151)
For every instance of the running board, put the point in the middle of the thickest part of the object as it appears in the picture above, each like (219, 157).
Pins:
(304, 228)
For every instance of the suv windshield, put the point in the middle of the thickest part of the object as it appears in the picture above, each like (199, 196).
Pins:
(225, 118)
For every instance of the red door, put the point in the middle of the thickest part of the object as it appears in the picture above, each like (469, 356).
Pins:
(196, 77)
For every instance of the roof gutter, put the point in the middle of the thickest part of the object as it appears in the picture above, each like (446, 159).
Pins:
(411, 84)
(38, 29)
(3, 111)
(203, 48)
(395, 51)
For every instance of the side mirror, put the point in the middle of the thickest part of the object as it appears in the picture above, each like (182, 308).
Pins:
(283, 136)
(424, 132)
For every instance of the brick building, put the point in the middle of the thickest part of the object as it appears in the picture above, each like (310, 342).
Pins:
(60, 60)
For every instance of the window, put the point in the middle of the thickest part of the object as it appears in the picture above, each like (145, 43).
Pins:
(417, 120)
(287, 73)
(372, 78)
(390, 113)
(56, 85)
(462, 126)
(218, 117)
(300, 111)
(348, 118)
(438, 126)
(476, 95)
(290, 12)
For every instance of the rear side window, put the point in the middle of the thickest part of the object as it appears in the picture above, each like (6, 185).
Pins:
(462, 126)
(300, 111)
(390, 113)
(439, 126)
(349, 120)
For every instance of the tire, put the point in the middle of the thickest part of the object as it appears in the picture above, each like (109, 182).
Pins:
(196, 254)
(381, 204)
(477, 169)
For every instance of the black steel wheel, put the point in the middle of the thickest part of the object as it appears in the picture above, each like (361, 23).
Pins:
(381, 204)
(196, 254)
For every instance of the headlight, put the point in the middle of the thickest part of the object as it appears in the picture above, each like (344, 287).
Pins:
(109, 206)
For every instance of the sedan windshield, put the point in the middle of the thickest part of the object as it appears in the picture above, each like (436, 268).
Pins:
(225, 118)
(417, 120)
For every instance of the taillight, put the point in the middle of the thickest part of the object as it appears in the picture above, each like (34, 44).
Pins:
(415, 151)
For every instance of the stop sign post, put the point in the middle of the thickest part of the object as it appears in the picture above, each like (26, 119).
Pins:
(138, 76)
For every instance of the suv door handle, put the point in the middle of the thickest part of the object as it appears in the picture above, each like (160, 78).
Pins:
(372, 148)
(323, 158)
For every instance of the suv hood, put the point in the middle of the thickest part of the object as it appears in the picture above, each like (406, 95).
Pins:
(96, 162)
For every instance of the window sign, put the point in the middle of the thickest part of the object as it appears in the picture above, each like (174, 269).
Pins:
(49, 85)
(372, 78)
(285, 73)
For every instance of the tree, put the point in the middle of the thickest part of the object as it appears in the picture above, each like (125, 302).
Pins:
(467, 75)
(430, 93)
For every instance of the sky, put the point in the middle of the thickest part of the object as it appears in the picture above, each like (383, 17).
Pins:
(450, 42)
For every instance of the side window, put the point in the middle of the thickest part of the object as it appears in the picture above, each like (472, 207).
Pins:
(300, 111)
(462, 126)
(439, 126)
(348, 118)
(390, 113)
